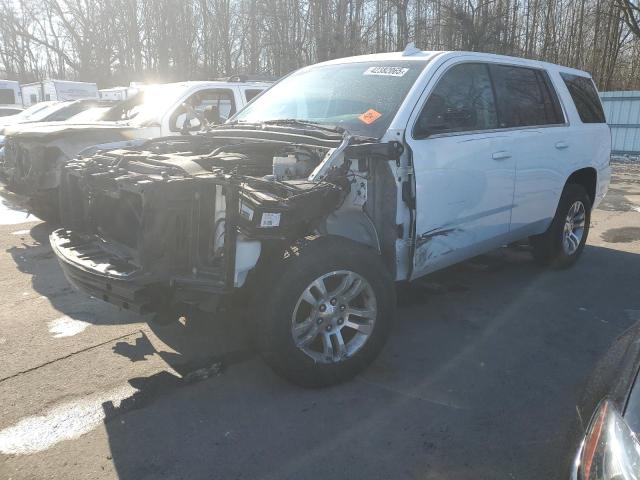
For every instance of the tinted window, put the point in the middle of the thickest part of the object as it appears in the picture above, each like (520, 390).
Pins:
(525, 97)
(584, 95)
(461, 102)
(250, 94)
(552, 103)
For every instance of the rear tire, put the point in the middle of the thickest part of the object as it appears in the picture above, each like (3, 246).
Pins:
(563, 242)
(303, 321)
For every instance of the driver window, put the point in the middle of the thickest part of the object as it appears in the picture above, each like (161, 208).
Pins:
(207, 106)
(462, 101)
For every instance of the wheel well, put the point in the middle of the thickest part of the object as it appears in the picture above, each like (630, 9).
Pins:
(587, 178)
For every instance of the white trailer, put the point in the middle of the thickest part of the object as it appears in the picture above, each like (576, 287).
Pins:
(117, 93)
(10, 93)
(57, 90)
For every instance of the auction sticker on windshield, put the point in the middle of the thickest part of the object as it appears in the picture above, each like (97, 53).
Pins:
(386, 71)
(370, 116)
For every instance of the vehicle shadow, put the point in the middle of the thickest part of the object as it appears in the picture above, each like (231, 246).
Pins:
(189, 344)
(35, 258)
(479, 380)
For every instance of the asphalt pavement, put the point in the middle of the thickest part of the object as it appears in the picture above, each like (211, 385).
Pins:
(479, 380)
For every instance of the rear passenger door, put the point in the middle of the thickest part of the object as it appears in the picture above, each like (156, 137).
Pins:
(537, 136)
(464, 173)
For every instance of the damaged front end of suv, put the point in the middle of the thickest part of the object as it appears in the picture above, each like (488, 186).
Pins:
(182, 221)
(300, 207)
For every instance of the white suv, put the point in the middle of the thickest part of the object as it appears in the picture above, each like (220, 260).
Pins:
(337, 181)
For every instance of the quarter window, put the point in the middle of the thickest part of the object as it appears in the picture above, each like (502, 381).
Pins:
(462, 101)
(525, 97)
(584, 95)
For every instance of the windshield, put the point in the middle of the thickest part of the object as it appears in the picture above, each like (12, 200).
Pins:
(45, 112)
(90, 115)
(362, 97)
(32, 110)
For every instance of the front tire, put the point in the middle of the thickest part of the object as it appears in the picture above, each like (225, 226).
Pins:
(325, 313)
(563, 242)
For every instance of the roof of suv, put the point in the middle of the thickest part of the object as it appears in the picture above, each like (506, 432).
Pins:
(422, 56)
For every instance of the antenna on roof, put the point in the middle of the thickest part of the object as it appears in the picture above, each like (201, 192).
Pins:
(411, 49)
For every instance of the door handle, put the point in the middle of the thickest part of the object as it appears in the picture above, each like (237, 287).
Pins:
(562, 145)
(502, 155)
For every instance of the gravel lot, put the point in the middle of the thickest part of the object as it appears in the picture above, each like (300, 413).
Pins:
(479, 380)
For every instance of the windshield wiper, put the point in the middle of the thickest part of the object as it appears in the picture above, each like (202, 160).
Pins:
(304, 123)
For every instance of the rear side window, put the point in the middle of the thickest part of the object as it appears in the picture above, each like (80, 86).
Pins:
(584, 95)
(525, 97)
(462, 101)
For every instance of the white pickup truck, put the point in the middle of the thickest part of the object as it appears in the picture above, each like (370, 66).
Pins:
(34, 155)
(343, 178)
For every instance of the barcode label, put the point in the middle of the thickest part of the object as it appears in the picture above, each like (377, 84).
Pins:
(270, 220)
(246, 212)
(386, 71)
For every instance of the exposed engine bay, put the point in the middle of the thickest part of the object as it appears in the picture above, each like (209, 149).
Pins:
(184, 216)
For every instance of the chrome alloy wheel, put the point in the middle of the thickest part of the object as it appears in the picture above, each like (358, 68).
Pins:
(574, 228)
(334, 317)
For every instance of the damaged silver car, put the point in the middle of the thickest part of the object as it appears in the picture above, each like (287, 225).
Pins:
(342, 179)
(34, 155)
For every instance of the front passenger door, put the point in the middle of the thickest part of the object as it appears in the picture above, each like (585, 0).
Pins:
(464, 175)
(213, 106)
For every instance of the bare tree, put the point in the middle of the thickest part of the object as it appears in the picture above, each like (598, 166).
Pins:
(163, 40)
(631, 13)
